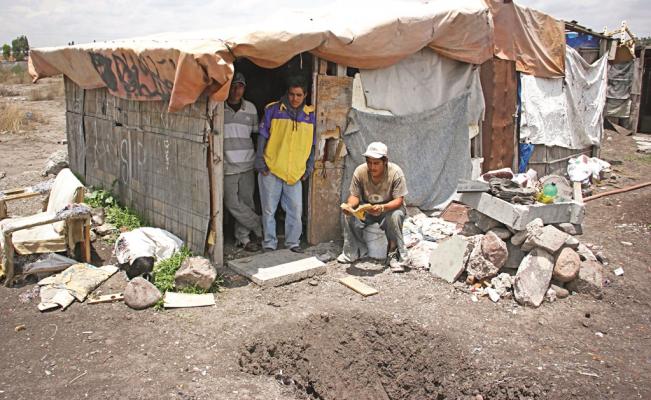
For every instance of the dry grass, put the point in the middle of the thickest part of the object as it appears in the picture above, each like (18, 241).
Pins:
(14, 118)
(15, 75)
(7, 92)
(46, 92)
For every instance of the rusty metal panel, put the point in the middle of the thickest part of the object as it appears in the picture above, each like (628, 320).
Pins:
(499, 140)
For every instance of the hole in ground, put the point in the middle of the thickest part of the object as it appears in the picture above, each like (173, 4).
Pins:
(360, 356)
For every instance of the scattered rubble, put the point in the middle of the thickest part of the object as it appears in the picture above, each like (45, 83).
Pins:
(56, 162)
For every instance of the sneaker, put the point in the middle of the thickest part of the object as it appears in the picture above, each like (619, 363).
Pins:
(344, 259)
(395, 264)
(297, 249)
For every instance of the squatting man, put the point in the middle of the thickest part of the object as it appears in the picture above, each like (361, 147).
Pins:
(381, 184)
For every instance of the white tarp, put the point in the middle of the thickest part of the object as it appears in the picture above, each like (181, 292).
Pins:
(422, 82)
(565, 112)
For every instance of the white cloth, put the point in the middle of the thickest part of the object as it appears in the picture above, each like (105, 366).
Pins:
(422, 82)
(565, 112)
(146, 242)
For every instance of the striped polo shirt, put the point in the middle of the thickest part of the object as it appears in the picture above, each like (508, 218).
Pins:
(238, 145)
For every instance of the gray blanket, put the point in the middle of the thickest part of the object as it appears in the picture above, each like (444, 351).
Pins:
(432, 148)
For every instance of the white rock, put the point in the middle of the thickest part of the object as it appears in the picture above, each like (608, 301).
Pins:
(533, 277)
(195, 271)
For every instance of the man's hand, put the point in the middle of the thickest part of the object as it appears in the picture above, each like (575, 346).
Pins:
(261, 166)
(376, 210)
(346, 209)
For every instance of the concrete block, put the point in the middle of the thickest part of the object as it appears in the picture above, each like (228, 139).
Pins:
(278, 267)
(447, 260)
(517, 216)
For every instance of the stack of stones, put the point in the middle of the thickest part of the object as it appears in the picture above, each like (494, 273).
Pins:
(540, 262)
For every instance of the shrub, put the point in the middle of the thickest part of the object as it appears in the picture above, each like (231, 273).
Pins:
(14, 118)
(123, 218)
(8, 92)
(15, 75)
(46, 92)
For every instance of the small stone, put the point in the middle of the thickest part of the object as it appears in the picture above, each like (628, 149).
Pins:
(626, 243)
(98, 216)
(519, 238)
(561, 292)
(502, 283)
(470, 280)
(619, 271)
(140, 294)
(550, 296)
(533, 277)
(572, 242)
(19, 328)
(105, 229)
(195, 271)
(502, 233)
(601, 257)
(494, 249)
(585, 253)
(313, 282)
(567, 265)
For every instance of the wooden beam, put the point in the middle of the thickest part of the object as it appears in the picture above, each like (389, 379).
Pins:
(358, 286)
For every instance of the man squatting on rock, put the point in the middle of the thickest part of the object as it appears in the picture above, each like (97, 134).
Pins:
(284, 158)
(382, 184)
(240, 121)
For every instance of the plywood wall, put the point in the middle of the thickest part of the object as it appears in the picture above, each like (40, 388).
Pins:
(156, 162)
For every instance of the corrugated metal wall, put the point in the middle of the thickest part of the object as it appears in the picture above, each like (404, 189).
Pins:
(155, 161)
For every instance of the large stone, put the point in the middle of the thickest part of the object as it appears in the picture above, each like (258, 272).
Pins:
(532, 279)
(483, 222)
(589, 281)
(548, 238)
(477, 265)
(141, 294)
(447, 260)
(567, 265)
(515, 256)
(518, 238)
(494, 249)
(502, 233)
(470, 229)
(585, 253)
(195, 271)
(572, 242)
(56, 162)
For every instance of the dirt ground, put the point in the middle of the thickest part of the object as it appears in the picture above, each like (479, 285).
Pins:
(419, 338)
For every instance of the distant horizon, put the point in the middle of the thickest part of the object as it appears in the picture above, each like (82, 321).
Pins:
(55, 23)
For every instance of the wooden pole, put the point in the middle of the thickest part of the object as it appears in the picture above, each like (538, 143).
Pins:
(622, 190)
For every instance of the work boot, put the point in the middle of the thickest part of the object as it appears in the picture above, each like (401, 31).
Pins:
(396, 265)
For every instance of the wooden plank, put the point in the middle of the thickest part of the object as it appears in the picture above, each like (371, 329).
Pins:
(217, 185)
(499, 84)
(578, 193)
(334, 99)
(358, 286)
(186, 300)
(106, 298)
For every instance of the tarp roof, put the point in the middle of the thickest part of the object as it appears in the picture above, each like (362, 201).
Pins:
(182, 66)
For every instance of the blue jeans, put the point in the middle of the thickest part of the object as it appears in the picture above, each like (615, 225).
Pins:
(274, 190)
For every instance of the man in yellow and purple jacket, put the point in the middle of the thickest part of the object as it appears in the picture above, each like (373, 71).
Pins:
(285, 158)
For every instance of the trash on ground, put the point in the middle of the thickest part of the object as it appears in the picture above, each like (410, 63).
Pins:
(76, 282)
(139, 249)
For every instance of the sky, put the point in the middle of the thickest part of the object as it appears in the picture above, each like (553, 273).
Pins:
(57, 22)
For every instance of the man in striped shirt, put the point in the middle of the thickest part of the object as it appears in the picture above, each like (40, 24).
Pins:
(240, 121)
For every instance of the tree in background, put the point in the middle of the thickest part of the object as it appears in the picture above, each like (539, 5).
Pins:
(642, 42)
(20, 48)
(6, 51)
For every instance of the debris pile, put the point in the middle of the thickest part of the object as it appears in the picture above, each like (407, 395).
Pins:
(541, 262)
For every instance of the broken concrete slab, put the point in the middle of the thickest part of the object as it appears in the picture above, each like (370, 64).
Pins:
(589, 281)
(447, 260)
(533, 277)
(516, 255)
(483, 221)
(585, 253)
(518, 216)
(571, 229)
(277, 267)
(548, 238)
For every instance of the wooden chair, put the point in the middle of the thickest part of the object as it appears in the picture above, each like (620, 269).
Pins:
(49, 231)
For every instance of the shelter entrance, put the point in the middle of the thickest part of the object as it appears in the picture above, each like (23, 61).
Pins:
(263, 86)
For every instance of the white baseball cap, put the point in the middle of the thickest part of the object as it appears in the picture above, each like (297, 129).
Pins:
(376, 150)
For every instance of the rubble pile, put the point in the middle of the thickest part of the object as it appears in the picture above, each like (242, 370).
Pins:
(541, 262)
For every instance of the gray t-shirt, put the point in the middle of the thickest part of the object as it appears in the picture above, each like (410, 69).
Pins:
(392, 186)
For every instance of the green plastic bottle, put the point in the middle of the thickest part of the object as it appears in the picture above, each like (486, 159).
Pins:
(550, 190)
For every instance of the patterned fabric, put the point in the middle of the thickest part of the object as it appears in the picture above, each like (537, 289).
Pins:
(238, 145)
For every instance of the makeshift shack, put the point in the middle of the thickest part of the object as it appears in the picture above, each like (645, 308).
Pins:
(144, 116)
